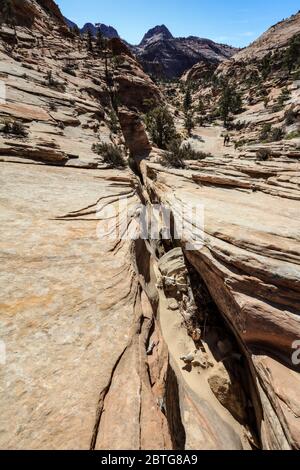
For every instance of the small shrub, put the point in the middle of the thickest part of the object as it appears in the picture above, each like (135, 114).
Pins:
(290, 117)
(240, 143)
(52, 106)
(239, 125)
(16, 128)
(69, 70)
(173, 158)
(276, 108)
(7, 127)
(177, 154)
(266, 101)
(265, 132)
(296, 74)
(262, 91)
(96, 81)
(283, 97)
(276, 134)
(113, 122)
(269, 134)
(52, 83)
(118, 60)
(111, 155)
(188, 153)
(28, 66)
(149, 103)
(263, 154)
(293, 135)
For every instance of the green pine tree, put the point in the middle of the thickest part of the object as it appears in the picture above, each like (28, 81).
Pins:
(90, 41)
(76, 30)
(187, 102)
(8, 13)
(201, 106)
(292, 54)
(230, 102)
(160, 125)
(189, 123)
(100, 42)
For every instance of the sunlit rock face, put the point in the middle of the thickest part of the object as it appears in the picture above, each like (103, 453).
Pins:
(110, 340)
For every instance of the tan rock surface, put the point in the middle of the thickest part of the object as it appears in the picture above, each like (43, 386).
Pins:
(250, 265)
(277, 36)
(59, 305)
(139, 344)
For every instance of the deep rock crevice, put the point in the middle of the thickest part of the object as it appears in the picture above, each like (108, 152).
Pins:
(231, 384)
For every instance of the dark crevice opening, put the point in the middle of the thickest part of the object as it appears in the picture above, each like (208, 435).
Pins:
(173, 413)
(215, 328)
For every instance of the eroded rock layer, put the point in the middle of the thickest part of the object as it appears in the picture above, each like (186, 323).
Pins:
(117, 341)
(249, 263)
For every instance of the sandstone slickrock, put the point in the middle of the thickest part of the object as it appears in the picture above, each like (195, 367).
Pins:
(134, 133)
(95, 324)
(54, 92)
(72, 292)
(250, 265)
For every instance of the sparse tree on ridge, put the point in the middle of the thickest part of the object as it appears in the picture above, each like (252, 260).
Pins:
(160, 125)
(90, 41)
(230, 102)
(292, 54)
(8, 12)
(189, 123)
(187, 102)
(100, 42)
(76, 30)
(201, 106)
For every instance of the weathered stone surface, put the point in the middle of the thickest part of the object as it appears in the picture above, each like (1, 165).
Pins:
(42, 154)
(276, 37)
(134, 132)
(136, 88)
(59, 304)
(229, 394)
(61, 91)
(115, 343)
(26, 113)
(250, 264)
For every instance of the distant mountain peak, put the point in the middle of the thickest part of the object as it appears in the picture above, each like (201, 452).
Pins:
(107, 31)
(157, 33)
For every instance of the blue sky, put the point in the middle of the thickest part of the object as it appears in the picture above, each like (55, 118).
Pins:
(235, 22)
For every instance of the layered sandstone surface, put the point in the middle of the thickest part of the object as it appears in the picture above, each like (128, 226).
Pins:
(113, 341)
(250, 264)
